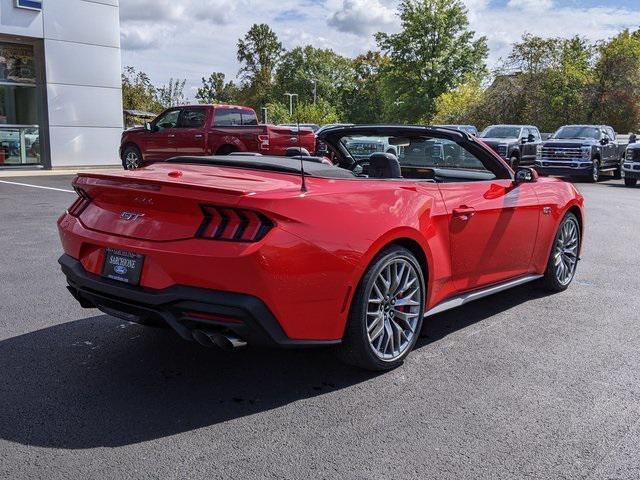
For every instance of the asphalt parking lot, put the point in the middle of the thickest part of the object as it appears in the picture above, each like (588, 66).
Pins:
(519, 384)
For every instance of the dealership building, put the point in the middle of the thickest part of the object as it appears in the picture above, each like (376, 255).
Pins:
(60, 86)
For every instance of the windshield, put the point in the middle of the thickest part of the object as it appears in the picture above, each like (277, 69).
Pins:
(502, 132)
(578, 133)
(412, 153)
(363, 147)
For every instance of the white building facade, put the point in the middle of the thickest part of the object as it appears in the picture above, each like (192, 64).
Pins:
(60, 85)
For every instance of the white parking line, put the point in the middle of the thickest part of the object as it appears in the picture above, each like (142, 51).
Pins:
(37, 186)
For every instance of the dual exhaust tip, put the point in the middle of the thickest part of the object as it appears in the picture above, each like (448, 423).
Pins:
(224, 341)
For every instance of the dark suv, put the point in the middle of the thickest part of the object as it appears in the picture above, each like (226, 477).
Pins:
(581, 151)
(517, 144)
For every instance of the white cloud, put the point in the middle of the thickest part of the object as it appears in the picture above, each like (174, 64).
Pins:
(530, 5)
(362, 17)
(191, 38)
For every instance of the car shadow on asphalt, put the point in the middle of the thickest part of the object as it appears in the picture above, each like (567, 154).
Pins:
(99, 382)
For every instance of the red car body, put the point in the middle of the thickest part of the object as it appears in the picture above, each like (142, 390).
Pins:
(211, 130)
(295, 284)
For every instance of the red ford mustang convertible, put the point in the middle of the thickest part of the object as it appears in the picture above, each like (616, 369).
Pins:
(296, 252)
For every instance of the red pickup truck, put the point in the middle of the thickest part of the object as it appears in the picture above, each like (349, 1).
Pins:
(201, 130)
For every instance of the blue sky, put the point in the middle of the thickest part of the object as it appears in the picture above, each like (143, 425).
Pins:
(192, 38)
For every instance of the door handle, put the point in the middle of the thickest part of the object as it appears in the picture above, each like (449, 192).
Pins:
(464, 213)
(199, 136)
(171, 135)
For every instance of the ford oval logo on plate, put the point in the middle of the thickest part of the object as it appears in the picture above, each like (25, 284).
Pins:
(120, 270)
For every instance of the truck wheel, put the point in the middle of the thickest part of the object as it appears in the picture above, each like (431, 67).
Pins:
(386, 314)
(514, 161)
(131, 158)
(617, 173)
(225, 150)
(630, 182)
(595, 172)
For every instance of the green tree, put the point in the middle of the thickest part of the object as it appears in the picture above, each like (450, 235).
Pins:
(303, 68)
(138, 93)
(320, 113)
(278, 112)
(433, 53)
(172, 94)
(364, 101)
(617, 83)
(550, 83)
(216, 90)
(258, 53)
(461, 106)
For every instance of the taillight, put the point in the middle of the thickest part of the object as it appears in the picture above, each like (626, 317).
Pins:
(233, 224)
(81, 204)
(264, 142)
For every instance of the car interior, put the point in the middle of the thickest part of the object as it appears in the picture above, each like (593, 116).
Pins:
(419, 157)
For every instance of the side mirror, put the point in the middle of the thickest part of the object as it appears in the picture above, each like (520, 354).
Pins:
(604, 141)
(531, 138)
(148, 127)
(526, 175)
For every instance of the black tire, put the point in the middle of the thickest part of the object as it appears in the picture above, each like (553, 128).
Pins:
(226, 150)
(514, 162)
(617, 173)
(595, 172)
(356, 349)
(550, 281)
(630, 182)
(131, 158)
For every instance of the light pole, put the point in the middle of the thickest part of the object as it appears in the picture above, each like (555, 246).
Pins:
(290, 95)
(264, 114)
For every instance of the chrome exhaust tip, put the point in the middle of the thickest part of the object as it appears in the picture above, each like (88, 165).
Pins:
(223, 341)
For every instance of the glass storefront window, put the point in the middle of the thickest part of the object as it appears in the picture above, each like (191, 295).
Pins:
(19, 132)
(19, 146)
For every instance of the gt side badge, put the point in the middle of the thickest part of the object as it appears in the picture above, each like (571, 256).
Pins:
(130, 217)
(547, 210)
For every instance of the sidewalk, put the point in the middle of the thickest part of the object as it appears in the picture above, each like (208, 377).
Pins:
(38, 172)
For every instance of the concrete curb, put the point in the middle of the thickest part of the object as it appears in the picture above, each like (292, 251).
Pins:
(57, 172)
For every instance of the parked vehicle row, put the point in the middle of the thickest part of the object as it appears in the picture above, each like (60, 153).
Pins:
(584, 151)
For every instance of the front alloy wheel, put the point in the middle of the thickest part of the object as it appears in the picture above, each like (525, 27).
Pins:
(387, 311)
(563, 261)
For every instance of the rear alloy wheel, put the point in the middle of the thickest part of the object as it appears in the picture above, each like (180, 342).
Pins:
(630, 182)
(595, 172)
(563, 261)
(387, 312)
(131, 158)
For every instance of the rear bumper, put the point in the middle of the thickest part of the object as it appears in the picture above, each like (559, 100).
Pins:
(185, 309)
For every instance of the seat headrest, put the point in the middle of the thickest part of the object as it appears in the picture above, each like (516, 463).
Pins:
(384, 165)
(297, 152)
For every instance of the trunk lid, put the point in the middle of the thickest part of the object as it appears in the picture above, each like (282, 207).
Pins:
(163, 202)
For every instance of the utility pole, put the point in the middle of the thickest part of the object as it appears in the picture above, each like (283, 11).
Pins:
(291, 95)
(264, 115)
(315, 91)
